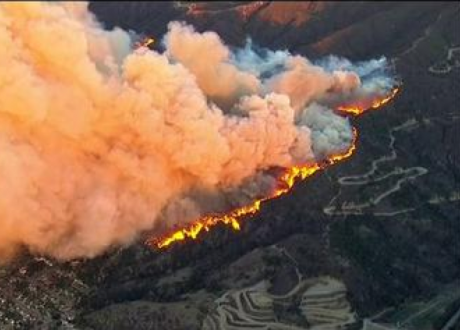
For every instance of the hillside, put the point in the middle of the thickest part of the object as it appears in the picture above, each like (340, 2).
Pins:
(385, 223)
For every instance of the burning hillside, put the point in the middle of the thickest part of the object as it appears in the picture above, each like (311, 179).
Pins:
(286, 181)
(357, 109)
(98, 139)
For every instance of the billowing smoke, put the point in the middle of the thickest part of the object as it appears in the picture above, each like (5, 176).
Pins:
(97, 140)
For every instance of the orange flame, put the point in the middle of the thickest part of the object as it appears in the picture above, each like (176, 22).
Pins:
(145, 43)
(286, 180)
(356, 110)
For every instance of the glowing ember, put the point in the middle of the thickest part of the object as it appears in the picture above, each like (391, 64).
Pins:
(145, 43)
(377, 103)
(286, 182)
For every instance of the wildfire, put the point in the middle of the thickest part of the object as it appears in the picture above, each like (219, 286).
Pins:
(232, 218)
(286, 182)
(356, 110)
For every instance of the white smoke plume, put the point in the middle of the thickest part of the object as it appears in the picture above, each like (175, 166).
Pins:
(97, 139)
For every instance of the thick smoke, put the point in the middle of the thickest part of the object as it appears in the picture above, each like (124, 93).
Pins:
(97, 140)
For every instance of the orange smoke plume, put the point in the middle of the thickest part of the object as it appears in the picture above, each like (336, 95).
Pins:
(100, 142)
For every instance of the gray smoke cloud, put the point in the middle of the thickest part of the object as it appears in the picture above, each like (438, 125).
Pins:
(100, 142)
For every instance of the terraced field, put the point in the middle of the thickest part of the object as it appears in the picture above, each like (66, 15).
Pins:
(321, 303)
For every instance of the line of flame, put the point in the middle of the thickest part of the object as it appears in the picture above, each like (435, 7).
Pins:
(356, 110)
(287, 180)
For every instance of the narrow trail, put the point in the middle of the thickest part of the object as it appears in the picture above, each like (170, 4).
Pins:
(372, 176)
